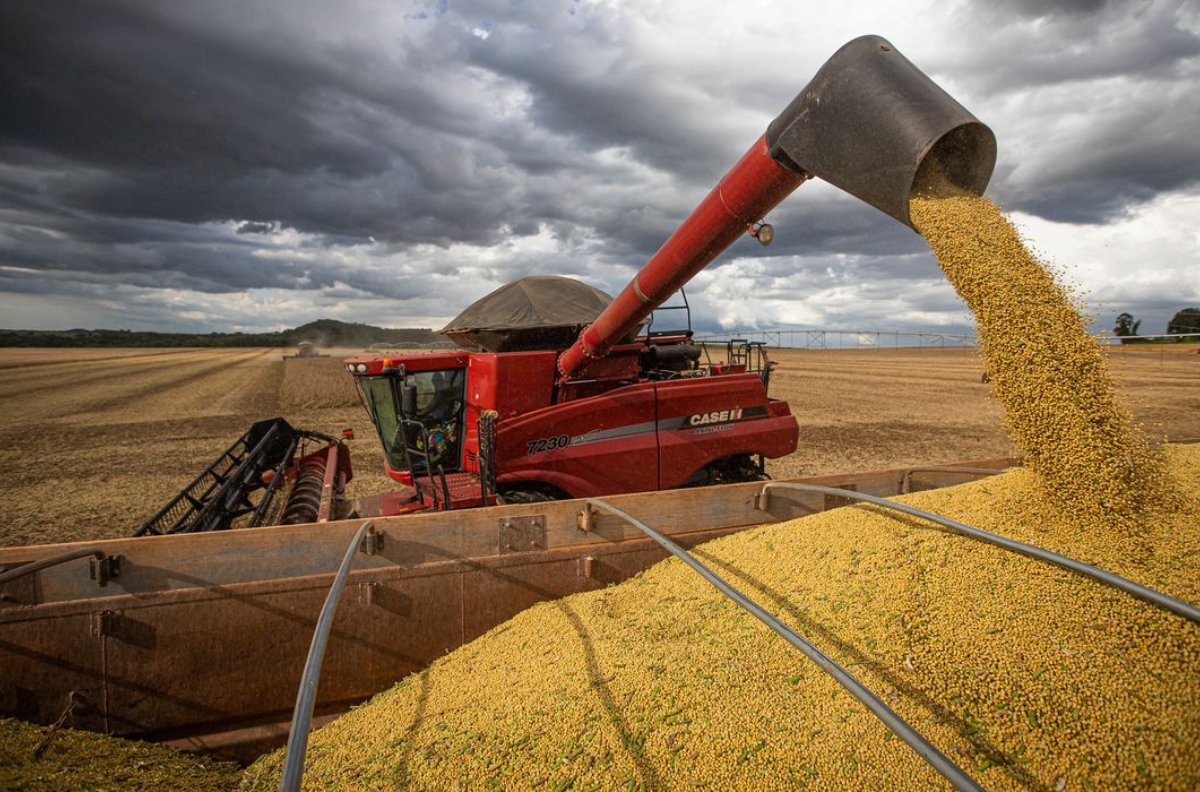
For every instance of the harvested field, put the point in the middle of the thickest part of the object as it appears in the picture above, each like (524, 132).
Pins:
(94, 444)
(40, 356)
(94, 441)
(872, 409)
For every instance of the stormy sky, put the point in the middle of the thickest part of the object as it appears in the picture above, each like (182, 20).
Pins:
(258, 164)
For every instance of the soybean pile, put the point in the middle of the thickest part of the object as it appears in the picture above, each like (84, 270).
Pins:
(1027, 676)
(48, 759)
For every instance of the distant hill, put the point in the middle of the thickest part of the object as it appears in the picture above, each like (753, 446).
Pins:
(323, 333)
(332, 333)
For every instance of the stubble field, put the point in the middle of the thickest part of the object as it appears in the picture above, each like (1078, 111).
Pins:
(94, 441)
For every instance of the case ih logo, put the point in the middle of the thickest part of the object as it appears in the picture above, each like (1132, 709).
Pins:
(720, 416)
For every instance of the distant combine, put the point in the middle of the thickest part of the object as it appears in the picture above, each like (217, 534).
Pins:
(305, 349)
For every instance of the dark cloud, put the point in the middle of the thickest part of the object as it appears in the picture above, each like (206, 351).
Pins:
(116, 85)
(186, 117)
(1040, 9)
(1094, 103)
(256, 228)
(419, 157)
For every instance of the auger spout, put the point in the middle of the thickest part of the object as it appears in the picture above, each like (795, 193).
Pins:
(869, 122)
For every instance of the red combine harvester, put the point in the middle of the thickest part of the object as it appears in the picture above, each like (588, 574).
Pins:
(558, 394)
(574, 405)
(506, 424)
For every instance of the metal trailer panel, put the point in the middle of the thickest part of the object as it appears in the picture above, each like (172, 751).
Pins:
(202, 638)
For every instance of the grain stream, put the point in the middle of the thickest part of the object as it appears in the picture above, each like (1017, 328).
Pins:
(1048, 374)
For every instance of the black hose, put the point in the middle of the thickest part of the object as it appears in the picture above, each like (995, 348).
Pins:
(297, 744)
(936, 759)
(54, 560)
(1178, 606)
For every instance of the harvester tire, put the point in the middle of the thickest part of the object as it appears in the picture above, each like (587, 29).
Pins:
(530, 495)
(730, 470)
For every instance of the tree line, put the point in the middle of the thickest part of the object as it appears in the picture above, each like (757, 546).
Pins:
(323, 332)
(1184, 322)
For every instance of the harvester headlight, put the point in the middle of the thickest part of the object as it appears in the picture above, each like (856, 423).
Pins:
(763, 232)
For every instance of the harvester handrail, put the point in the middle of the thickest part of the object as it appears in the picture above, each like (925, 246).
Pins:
(297, 744)
(49, 561)
(926, 750)
(1153, 596)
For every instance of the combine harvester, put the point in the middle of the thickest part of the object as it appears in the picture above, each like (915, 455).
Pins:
(199, 636)
(305, 349)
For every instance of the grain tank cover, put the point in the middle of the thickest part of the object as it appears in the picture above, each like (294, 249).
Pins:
(535, 312)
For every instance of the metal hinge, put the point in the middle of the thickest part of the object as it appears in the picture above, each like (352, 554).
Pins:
(104, 623)
(106, 568)
(372, 542)
(838, 501)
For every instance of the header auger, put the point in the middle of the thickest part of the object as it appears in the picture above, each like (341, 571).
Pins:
(269, 476)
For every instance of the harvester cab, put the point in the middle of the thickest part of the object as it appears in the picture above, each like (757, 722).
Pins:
(417, 405)
(430, 422)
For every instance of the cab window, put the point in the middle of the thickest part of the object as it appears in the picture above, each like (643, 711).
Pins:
(437, 427)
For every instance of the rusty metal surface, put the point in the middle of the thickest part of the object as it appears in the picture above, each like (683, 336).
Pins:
(154, 564)
(208, 660)
(47, 657)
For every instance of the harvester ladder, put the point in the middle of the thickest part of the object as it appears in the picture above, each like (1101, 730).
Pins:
(414, 452)
(687, 313)
(750, 354)
(487, 454)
